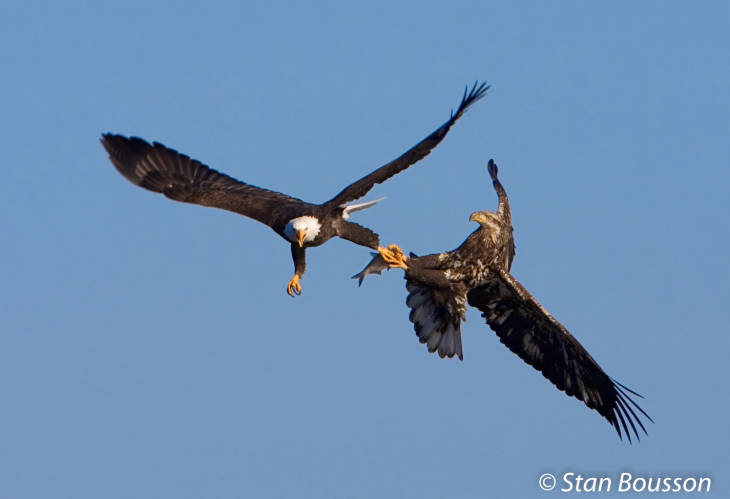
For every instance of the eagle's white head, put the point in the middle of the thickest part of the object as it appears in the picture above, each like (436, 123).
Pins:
(302, 230)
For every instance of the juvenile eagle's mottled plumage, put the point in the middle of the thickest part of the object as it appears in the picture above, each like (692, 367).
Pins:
(177, 176)
(477, 272)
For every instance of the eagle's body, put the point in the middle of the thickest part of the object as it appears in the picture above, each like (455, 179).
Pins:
(438, 285)
(477, 273)
(302, 224)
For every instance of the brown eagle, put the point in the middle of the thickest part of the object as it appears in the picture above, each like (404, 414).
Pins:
(177, 176)
(477, 272)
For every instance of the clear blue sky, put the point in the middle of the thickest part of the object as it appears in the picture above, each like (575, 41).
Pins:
(148, 348)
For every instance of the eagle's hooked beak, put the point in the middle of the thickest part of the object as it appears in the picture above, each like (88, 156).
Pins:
(301, 234)
(476, 217)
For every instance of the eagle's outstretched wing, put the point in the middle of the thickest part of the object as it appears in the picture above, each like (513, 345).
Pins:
(359, 188)
(177, 176)
(527, 329)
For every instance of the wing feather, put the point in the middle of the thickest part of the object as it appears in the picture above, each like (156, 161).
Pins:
(177, 176)
(436, 315)
(527, 329)
(359, 188)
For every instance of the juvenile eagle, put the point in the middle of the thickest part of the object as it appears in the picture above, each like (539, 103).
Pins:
(477, 272)
(177, 176)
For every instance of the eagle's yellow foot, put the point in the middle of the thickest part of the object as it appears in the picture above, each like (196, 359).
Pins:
(393, 256)
(293, 288)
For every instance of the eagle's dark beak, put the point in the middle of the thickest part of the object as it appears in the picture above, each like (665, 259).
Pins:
(301, 234)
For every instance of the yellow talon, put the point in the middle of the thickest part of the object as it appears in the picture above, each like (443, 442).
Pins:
(293, 288)
(393, 256)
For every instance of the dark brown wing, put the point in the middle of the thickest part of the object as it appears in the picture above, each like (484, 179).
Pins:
(436, 314)
(503, 210)
(527, 329)
(177, 176)
(358, 189)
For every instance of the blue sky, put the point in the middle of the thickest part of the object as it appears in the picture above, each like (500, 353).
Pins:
(148, 348)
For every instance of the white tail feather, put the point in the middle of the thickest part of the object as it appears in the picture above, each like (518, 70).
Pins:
(352, 208)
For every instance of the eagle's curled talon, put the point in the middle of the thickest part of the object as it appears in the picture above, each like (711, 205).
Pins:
(393, 256)
(293, 287)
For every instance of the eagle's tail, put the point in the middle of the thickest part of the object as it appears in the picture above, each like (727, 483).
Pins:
(436, 317)
(352, 208)
(376, 266)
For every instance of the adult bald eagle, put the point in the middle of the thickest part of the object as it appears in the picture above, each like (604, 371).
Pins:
(177, 176)
(477, 272)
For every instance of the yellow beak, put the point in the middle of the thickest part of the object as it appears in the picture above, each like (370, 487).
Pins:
(476, 217)
(300, 236)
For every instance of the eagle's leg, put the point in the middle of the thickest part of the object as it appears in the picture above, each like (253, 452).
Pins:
(393, 256)
(298, 255)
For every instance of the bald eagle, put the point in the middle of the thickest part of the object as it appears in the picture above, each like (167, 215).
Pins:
(477, 272)
(303, 225)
